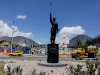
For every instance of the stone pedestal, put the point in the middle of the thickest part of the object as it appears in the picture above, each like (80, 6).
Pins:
(53, 53)
(60, 64)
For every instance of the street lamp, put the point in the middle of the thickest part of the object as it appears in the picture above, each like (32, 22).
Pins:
(12, 35)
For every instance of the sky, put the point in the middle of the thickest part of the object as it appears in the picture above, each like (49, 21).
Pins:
(30, 18)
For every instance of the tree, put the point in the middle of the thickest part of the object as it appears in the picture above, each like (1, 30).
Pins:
(78, 43)
(88, 42)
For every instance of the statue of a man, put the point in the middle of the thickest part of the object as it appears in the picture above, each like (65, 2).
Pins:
(54, 29)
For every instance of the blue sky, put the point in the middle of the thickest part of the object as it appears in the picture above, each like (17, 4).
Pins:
(31, 18)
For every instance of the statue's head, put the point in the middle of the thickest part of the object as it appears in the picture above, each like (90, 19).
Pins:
(54, 19)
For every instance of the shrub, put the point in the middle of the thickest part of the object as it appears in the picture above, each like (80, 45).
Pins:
(16, 71)
(91, 67)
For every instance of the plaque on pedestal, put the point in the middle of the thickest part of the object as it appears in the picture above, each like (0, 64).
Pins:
(53, 53)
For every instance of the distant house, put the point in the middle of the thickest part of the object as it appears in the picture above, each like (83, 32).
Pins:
(4, 46)
(5, 43)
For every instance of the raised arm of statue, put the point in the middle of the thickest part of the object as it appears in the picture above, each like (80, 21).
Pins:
(51, 18)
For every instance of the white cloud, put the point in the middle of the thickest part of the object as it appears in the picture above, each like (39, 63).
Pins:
(5, 30)
(21, 16)
(67, 32)
(71, 31)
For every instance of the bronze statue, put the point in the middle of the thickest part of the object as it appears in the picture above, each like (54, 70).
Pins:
(54, 29)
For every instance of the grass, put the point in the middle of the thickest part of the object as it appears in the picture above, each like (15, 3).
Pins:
(2, 68)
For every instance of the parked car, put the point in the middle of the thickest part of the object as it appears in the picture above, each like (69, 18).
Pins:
(16, 53)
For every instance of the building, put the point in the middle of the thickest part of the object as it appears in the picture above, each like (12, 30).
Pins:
(4, 45)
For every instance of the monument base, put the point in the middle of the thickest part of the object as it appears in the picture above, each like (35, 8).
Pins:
(53, 53)
(60, 64)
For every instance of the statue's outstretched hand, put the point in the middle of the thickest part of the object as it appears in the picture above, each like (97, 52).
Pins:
(50, 14)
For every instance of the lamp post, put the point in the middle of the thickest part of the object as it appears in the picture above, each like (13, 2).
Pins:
(12, 35)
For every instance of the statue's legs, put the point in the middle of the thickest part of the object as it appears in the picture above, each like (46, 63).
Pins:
(53, 35)
(51, 38)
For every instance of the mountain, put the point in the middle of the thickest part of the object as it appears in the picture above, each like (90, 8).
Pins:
(98, 36)
(82, 38)
(20, 39)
